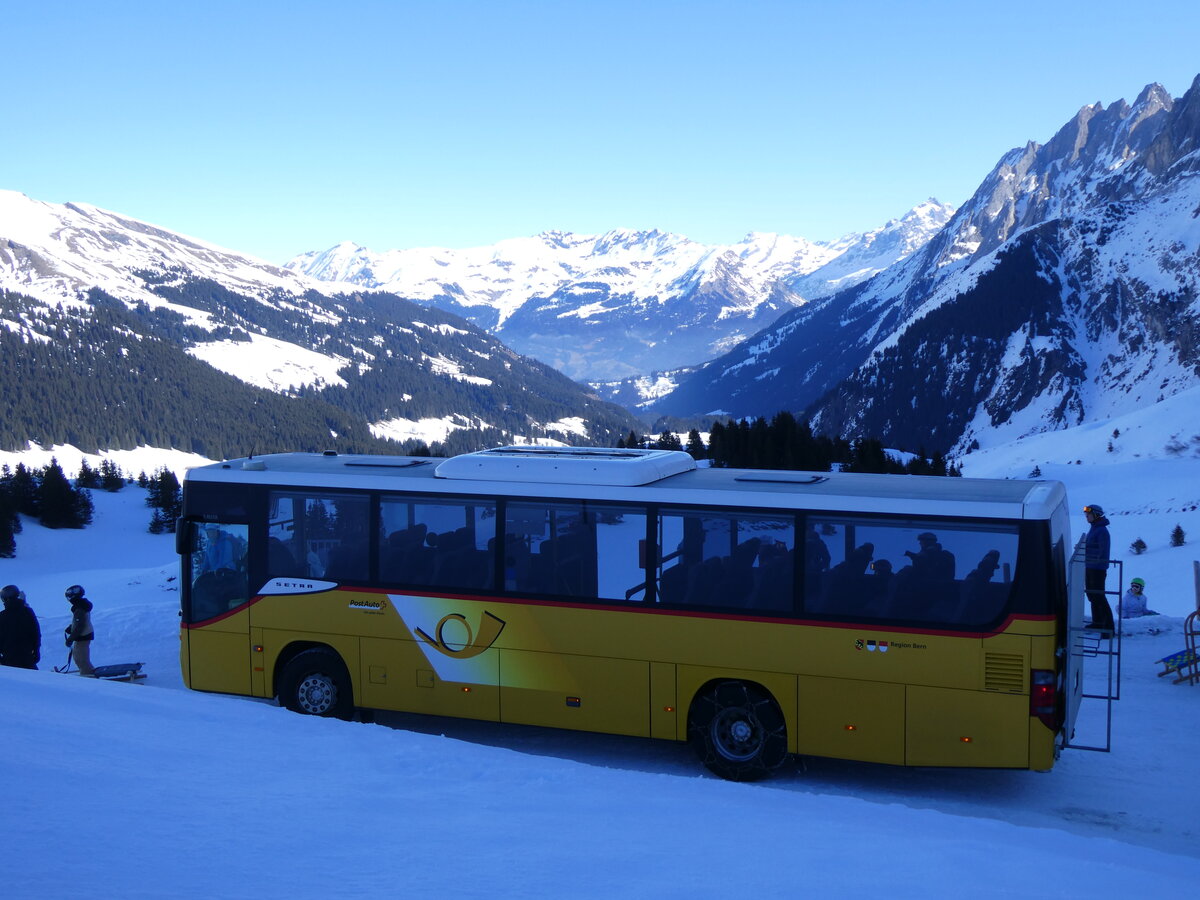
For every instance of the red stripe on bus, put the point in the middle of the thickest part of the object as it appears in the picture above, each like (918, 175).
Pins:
(225, 615)
(656, 610)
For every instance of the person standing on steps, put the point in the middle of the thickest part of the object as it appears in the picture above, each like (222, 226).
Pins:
(79, 633)
(20, 634)
(1095, 567)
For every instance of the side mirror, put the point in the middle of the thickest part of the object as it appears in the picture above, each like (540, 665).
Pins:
(183, 536)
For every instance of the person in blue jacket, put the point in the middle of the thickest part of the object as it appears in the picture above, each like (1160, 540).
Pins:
(1095, 567)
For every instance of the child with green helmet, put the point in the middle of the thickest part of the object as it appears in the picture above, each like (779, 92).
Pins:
(1133, 604)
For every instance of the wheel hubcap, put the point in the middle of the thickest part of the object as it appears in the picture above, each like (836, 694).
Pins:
(317, 694)
(735, 735)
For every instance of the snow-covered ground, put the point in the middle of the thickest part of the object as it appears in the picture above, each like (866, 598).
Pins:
(116, 790)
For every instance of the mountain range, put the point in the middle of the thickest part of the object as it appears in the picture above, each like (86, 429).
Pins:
(624, 303)
(1066, 290)
(118, 333)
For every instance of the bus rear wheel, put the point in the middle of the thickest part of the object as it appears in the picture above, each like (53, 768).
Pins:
(738, 731)
(315, 683)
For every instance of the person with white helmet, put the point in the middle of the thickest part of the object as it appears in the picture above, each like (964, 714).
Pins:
(1133, 604)
(79, 633)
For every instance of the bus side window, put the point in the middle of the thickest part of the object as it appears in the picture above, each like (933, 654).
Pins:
(343, 552)
(559, 540)
(313, 535)
(728, 560)
(620, 535)
(438, 542)
(952, 574)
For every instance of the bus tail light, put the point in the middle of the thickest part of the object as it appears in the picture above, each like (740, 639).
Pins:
(1043, 697)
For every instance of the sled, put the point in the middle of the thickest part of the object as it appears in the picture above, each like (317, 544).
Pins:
(1176, 662)
(120, 672)
(1185, 664)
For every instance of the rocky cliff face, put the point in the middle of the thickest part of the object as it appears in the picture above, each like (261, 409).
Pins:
(1064, 291)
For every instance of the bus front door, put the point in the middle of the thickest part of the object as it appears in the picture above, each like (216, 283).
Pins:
(215, 651)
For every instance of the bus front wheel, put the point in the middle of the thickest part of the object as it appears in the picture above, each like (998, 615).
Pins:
(315, 683)
(738, 731)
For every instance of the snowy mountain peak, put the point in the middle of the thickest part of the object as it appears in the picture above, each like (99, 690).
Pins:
(649, 299)
(58, 251)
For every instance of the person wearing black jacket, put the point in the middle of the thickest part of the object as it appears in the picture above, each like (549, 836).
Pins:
(20, 635)
(79, 633)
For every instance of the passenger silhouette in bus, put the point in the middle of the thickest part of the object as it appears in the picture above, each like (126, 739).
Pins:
(879, 586)
(816, 554)
(279, 558)
(931, 562)
(986, 569)
(979, 599)
(774, 585)
(925, 588)
(738, 577)
(848, 579)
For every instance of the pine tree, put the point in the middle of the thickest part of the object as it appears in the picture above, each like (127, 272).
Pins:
(24, 490)
(158, 522)
(112, 479)
(85, 510)
(59, 504)
(165, 497)
(1138, 547)
(8, 543)
(1178, 536)
(718, 447)
(87, 477)
(695, 445)
(668, 440)
(8, 522)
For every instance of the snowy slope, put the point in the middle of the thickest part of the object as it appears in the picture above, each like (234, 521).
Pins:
(152, 791)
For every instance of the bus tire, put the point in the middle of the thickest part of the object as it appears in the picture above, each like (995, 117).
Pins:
(738, 731)
(315, 683)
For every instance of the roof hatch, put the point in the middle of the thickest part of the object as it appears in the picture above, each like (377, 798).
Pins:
(567, 465)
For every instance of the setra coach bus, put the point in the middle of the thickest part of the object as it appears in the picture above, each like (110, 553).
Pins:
(908, 620)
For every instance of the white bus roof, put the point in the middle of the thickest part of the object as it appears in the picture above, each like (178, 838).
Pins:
(643, 476)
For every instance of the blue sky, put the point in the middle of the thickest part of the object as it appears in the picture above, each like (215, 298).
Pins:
(274, 128)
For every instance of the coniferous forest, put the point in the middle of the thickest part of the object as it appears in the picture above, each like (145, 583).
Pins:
(106, 375)
(788, 443)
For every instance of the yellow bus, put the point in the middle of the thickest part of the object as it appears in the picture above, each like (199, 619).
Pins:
(895, 619)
